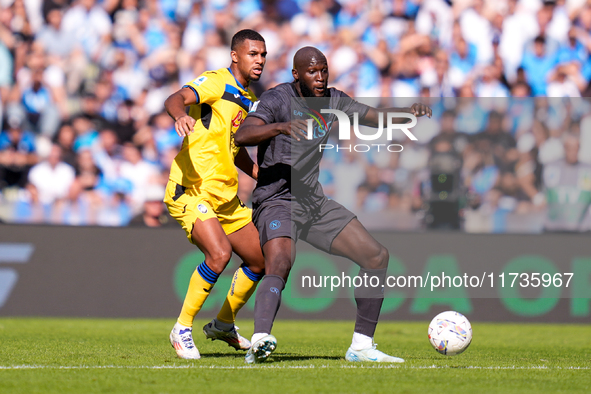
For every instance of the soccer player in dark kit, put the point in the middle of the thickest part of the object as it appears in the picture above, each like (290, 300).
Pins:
(289, 203)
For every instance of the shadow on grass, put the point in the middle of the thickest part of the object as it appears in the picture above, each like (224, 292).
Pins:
(297, 357)
(275, 357)
(223, 355)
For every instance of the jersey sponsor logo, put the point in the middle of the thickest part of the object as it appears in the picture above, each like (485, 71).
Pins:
(275, 224)
(317, 126)
(238, 119)
(320, 128)
(202, 208)
(200, 80)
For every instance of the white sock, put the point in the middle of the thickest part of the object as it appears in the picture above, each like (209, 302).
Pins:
(178, 327)
(223, 326)
(258, 335)
(361, 341)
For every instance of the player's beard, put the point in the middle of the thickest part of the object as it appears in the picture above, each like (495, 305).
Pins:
(311, 100)
(305, 91)
(308, 92)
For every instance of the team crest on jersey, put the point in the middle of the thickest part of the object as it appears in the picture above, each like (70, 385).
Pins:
(238, 119)
(200, 80)
(202, 208)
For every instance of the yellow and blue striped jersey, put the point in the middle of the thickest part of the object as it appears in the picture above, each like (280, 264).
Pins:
(206, 159)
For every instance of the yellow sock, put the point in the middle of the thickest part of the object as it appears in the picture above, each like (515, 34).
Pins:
(196, 295)
(240, 291)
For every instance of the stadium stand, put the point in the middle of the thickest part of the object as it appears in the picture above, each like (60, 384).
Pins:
(85, 136)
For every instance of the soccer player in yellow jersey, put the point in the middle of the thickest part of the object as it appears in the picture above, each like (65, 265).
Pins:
(201, 191)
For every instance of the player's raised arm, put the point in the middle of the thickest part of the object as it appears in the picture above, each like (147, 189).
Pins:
(254, 130)
(372, 117)
(175, 106)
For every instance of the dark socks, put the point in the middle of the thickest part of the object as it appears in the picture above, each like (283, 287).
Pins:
(369, 301)
(268, 300)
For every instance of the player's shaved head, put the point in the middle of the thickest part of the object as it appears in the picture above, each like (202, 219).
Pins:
(310, 72)
(306, 56)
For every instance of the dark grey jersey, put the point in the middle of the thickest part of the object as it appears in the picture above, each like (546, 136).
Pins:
(287, 167)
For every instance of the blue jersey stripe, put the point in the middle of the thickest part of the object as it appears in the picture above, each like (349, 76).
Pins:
(194, 91)
(233, 90)
(237, 82)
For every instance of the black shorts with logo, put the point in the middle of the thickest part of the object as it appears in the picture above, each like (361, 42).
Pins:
(288, 218)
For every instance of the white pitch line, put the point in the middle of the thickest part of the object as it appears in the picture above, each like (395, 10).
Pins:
(384, 366)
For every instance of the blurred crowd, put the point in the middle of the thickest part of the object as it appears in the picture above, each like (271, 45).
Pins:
(85, 139)
(476, 161)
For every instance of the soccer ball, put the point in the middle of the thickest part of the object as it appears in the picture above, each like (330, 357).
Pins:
(450, 333)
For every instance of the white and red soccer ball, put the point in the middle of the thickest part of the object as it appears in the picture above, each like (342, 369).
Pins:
(450, 333)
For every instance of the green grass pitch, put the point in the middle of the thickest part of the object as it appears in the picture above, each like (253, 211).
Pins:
(134, 356)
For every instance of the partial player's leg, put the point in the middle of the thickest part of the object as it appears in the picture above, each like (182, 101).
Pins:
(279, 257)
(355, 243)
(245, 243)
(213, 242)
(203, 228)
(276, 230)
(211, 239)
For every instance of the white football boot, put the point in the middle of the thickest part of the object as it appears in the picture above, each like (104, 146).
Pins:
(371, 354)
(232, 338)
(261, 349)
(181, 339)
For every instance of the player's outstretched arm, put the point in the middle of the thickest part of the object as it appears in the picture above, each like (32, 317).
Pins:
(245, 163)
(254, 130)
(373, 115)
(175, 106)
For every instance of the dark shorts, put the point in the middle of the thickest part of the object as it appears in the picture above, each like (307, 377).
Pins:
(285, 218)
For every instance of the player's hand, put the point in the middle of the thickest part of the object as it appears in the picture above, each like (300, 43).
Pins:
(418, 110)
(255, 172)
(295, 128)
(184, 125)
